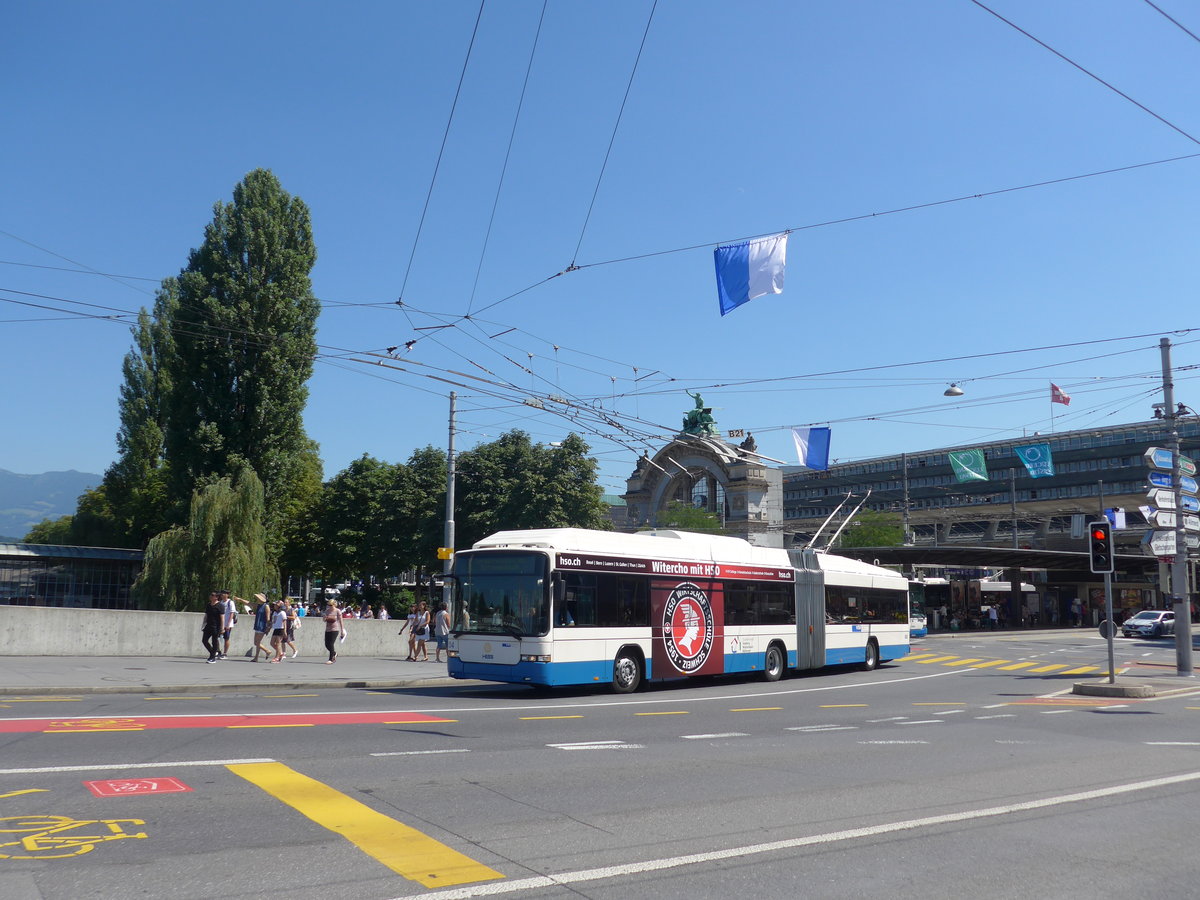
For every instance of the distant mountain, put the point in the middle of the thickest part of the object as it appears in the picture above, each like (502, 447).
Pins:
(27, 499)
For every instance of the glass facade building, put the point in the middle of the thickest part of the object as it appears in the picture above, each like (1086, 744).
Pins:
(82, 577)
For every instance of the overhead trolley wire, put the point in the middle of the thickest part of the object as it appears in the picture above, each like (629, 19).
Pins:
(1087, 72)
(1174, 22)
(442, 149)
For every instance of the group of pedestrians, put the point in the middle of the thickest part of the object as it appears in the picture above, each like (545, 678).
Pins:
(279, 620)
(423, 626)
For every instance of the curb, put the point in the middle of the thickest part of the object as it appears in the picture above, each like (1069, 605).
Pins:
(359, 684)
(1134, 690)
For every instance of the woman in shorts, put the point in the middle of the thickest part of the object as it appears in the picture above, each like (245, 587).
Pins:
(278, 630)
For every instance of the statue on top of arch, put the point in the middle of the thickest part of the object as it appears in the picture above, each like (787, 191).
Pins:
(699, 420)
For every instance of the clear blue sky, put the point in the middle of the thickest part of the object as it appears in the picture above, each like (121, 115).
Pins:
(127, 121)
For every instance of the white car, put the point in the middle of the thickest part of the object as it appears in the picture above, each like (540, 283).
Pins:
(1150, 623)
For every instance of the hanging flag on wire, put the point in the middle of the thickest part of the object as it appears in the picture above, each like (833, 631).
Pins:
(1037, 459)
(1058, 395)
(968, 465)
(812, 447)
(750, 269)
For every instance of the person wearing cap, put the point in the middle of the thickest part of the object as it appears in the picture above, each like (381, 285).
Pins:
(214, 622)
(262, 625)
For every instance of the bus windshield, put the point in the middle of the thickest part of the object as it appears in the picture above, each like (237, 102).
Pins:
(502, 591)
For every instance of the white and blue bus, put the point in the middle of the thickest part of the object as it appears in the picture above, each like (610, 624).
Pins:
(569, 606)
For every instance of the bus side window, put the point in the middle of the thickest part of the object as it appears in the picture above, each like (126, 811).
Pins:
(632, 605)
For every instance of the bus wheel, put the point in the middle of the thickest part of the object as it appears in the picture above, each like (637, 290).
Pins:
(627, 673)
(773, 666)
(872, 660)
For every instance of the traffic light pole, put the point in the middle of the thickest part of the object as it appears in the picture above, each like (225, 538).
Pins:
(1181, 593)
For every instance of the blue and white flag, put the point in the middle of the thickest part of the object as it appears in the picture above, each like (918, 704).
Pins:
(750, 269)
(1037, 459)
(812, 447)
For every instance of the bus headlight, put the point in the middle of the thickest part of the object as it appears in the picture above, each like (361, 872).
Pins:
(533, 657)
(451, 654)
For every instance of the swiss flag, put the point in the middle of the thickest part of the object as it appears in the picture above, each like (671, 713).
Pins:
(1058, 395)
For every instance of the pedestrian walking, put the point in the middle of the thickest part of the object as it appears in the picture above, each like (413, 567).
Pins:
(333, 630)
(293, 622)
(441, 630)
(410, 626)
(214, 623)
(278, 630)
(421, 631)
(229, 612)
(262, 626)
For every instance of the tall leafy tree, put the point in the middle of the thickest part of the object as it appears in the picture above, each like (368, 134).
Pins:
(223, 545)
(243, 336)
(873, 529)
(513, 483)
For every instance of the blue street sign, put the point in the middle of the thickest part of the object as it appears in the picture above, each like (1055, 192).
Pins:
(1191, 504)
(1187, 484)
(1159, 479)
(1159, 458)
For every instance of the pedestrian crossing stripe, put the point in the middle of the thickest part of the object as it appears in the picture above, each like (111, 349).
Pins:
(994, 662)
(1082, 670)
(915, 656)
(964, 662)
(936, 659)
(1005, 665)
(1015, 666)
(1050, 668)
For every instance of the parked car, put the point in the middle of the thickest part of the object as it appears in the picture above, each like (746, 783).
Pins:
(1150, 623)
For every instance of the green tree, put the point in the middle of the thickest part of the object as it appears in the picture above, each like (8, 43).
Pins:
(243, 340)
(351, 519)
(50, 531)
(512, 483)
(222, 546)
(685, 517)
(873, 529)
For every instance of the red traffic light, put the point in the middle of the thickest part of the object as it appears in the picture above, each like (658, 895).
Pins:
(1099, 534)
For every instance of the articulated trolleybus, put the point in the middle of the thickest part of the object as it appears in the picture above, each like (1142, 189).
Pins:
(566, 606)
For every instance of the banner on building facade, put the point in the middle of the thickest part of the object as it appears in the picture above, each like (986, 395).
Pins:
(969, 465)
(1037, 459)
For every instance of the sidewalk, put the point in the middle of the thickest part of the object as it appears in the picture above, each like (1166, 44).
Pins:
(72, 675)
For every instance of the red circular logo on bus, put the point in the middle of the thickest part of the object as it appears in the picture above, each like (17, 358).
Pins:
(688, 627)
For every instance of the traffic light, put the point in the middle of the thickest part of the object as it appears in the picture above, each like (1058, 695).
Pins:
(1100, 546)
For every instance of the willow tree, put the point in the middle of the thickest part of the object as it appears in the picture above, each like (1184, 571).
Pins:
(223, 545)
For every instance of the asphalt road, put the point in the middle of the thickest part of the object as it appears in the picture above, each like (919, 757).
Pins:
(968, 769)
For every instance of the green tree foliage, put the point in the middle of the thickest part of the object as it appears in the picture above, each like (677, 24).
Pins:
(222, 546)
(243, 341)
(873, 529)
(512, 483)
(685, 517)
(50, 531)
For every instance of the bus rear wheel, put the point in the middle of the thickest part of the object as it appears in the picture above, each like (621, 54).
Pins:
(773, 665)
(872, 660)
(627, 673)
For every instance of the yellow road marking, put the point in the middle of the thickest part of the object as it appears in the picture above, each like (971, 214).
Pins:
(678, 712)
(914, 656)
(1082, 670)
(965, 662)
(840, 705)
(184, 697)
(936, 659)
(535, 718)
(757, 709)
(994, 662)
(26, 791)
(87, 731)
(42, 699)
(291, 725)
(403, 849)
(1023, 665)
(1049, 668)
(942, 703)
(438, 721)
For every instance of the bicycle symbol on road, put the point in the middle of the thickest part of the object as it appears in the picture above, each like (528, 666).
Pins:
(56, 837)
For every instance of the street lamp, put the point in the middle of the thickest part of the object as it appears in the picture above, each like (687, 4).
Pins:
(953, 391)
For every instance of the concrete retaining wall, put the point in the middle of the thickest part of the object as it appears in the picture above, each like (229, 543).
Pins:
(50, 631)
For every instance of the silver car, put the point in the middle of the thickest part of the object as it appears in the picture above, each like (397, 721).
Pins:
(1150, 623)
